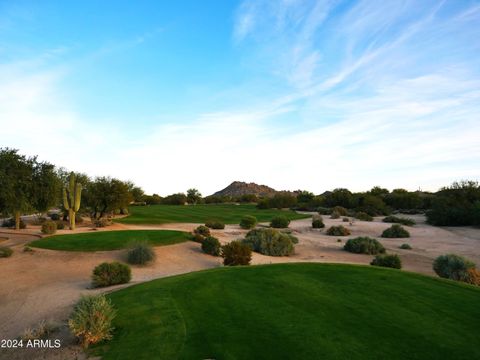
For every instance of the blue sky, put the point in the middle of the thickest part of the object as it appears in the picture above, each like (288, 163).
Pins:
(294, 94)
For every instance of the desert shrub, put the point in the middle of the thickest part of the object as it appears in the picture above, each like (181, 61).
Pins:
(324, 210)
(405, 247)
(215, 224)
(248, 222)
(473, 276)
(451, 266)
(140, 253)
(271, 242)
(49, 227)
(10, 223)
(198, 238)
(103, 222)
(78, 219)
(5, 251)
(113, 273)
(395, 231)
(28, 249)
(279, 222)
(41, 331)
(60, 225)
(363, 216)
(202, 230)
(335, 215)
(38, 220)
(211, 245)
(340, 210)
(55, 216)
(391, 261)
(91, 319)
(317, 222)
(399, 220)
(364, 245)
(346, 219)
(236, 253)
(338, 231)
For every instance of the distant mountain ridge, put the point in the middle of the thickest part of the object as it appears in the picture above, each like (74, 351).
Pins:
(239, 188)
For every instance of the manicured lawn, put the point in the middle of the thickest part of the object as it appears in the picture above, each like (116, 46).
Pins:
(296, 311)
(109, 240)
(228, 213)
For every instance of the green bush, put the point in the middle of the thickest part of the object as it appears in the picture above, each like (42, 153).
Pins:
(405, 247)
(202, 230)
(324, 211)
(211, 245)
(395, 231)
(113, 273)
(279, 222)
(236, 253)
(5, 251)
(140, 253)
(215, 224)
(49, 227)
(364, 245)
(363, 216)
(451, 266)
(28, 249)
(399, 220)
(391, 261)
(335, 215)
(317, 222)
(60, 225)
(198, 238)
(91, 319)
(340, 210)
(339, 230)
(346, 219)
(248, 222)
(271, 242)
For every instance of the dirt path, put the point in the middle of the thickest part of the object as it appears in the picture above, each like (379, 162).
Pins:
(45, 284)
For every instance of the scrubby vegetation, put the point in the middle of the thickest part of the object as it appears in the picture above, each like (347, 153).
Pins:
(91, 320)
(335, 215)
(114, 273)
(388, 260)
(363, 216)
(405, 247)
(271, 242)
(5, 252)
(399, 220)
(211, 246)
(280, 222)
(339, 230)
(236, 253)
(395, 231)
(364, 245)
(248, 222)
(317, 222)
(215, 224)
(140, 253)
(49, 227)
(455, 267)
(202, 230)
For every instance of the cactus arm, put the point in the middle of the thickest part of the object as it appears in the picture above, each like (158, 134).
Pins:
(78, 196)
(65, 200)
(71, 190)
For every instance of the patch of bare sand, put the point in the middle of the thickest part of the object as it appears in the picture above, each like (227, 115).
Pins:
(46, 284)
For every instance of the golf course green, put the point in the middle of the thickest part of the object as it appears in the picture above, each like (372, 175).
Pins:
(295, 311)
(228, 213)
(109, 240)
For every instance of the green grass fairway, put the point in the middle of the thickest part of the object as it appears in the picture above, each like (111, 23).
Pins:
(228, 213)
(109, 240)
(296, 311)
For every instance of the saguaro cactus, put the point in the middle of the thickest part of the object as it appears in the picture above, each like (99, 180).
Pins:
(71, 199)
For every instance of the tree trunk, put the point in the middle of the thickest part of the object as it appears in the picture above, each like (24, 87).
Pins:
(17, 220)
(71, 217)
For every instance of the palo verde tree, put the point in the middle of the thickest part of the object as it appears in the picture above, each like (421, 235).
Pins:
(72, 195)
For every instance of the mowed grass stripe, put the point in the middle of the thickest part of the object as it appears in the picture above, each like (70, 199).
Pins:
(228, 213)
(109, 240)
(296, 311)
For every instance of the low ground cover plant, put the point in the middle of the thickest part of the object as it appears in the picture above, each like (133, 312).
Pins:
(340, 210)
(395, 231)
(103, 222)
(202, 230)
(399, 220)
(248, 222)
(140, 253)
(364, 245)
(271, 242)
(335, 215)
(280, 222)
(363, 216)
(5, 251)
(339, 230)
(455, 267)
(236, 253)
(317, 222)
(114, 273)
(215, 224)
(211, 246)
(91, 319)
(405, 247)
(388, 260)
(49, 227)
